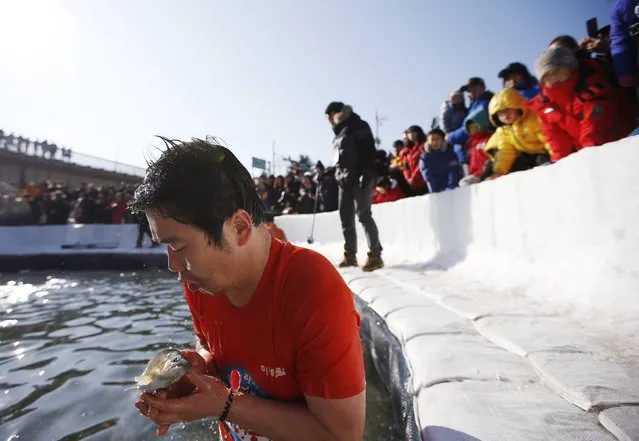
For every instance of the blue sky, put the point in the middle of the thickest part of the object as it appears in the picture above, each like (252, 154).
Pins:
(104, 77)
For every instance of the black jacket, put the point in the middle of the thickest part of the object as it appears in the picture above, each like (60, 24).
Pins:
(355, 150)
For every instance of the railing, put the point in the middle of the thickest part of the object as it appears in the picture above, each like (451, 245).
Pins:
(71, 157)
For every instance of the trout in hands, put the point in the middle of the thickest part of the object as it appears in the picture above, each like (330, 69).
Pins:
(164, 369)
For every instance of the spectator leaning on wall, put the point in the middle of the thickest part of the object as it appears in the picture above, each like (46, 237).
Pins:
(594, 53)
(480, 130)
(519, 141)
(516, 75)
(578, 108)
(410, 161)
(439, 164)
(479, 97)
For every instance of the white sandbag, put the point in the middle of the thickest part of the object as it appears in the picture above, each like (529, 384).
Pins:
(361, 283)
(473, 305)
(498, 411)
(427, 319)
(523, 335)
(622, 422)
(349, 274)
(384, 301)
(374, 293)
(454, 357)
(588, 380)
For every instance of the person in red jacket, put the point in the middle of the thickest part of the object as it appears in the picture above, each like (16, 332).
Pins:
(480, 130)
(578, 107)
(410, 160)
(386, 190)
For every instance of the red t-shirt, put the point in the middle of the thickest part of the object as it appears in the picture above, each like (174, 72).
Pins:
(298, 335)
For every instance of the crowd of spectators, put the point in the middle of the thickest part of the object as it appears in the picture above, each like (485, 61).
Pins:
(55, 203)
(579, 95)
(44, 149)
(301, 192)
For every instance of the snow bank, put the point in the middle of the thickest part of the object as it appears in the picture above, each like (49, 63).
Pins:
(76, 247)
(513, 303)
(567, 233)
(54, 238)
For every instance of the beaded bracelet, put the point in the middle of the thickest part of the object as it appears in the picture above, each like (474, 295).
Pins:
(227, 406)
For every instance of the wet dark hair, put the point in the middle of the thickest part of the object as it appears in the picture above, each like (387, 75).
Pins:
(199, 183)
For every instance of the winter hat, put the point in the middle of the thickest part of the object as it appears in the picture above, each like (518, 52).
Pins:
(479, 115)
(514, 68)
(555, 58)
(334, 107)
(474, 81)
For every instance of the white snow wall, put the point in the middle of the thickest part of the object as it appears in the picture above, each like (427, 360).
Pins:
(567, 232)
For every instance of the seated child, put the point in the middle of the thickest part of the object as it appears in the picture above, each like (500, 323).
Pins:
(386, 190)
(519, 141)
(438, 164)
(480, 130)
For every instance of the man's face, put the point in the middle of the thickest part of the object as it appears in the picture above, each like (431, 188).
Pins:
(475, 91)
(330, 118)
(556, 76)
(199, 262)
(435, 141)
(513, 79)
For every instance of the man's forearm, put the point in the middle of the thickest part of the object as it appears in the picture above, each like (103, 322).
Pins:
(277, 420)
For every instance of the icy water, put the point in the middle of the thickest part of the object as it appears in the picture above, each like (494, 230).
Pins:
(71, 343)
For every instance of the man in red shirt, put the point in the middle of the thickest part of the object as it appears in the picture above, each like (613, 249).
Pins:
(280, 316)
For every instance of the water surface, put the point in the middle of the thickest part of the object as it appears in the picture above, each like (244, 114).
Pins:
(71, 343)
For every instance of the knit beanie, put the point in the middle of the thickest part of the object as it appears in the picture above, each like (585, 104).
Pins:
(555, 58)
(334, 107)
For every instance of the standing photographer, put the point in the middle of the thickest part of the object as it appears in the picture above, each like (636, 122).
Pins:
(354, 171)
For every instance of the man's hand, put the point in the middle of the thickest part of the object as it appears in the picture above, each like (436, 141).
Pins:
(183, 387)
(598, 45)
(207, 400)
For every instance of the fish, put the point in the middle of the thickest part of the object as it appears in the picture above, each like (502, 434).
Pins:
(165, 368)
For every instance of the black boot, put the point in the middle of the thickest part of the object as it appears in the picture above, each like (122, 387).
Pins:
(374, 262)
(348, 261)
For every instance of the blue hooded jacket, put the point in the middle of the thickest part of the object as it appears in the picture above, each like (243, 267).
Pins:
(529, 91)
(622, 47)
(461, 136)
(440, 169)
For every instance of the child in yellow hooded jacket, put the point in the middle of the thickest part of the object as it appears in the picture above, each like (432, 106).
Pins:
(518, 141)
